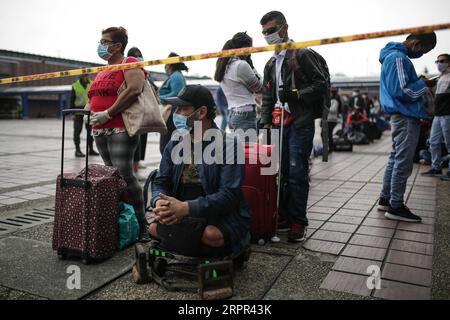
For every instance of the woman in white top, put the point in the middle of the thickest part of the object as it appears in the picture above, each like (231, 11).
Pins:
(240, 82)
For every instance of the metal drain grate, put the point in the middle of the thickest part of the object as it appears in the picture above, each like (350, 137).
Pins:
(26, 220)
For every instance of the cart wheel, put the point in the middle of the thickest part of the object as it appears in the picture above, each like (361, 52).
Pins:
(159, 266)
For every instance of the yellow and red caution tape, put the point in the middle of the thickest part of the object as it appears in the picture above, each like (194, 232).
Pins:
(227, 53)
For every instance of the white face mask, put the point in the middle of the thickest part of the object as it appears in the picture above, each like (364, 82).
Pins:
(442, 66)
(273, 38)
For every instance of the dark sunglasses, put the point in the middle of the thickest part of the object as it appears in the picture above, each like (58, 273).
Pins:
(271, 30)
(440, 61)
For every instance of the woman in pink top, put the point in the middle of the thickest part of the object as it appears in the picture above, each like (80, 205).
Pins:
(116, 147)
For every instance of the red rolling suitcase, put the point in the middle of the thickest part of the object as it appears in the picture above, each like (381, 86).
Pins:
(260, 192)
(87, 210)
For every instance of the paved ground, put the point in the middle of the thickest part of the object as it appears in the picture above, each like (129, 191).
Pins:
(347, 235)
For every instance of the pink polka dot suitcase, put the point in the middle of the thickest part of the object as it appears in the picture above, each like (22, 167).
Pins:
(87, 212)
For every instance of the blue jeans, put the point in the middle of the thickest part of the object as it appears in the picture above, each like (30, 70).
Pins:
(405, 136)
(297, 147)
(244, 121)
(440, 132)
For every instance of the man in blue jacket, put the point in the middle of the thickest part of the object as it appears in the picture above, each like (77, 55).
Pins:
(200, 190)
(401, 95)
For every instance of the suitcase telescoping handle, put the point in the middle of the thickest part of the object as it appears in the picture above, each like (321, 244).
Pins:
(74, 182)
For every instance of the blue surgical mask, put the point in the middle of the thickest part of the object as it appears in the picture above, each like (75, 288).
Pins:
(102, 51)
(180, 122)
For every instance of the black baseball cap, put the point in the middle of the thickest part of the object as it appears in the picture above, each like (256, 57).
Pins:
(195, 95)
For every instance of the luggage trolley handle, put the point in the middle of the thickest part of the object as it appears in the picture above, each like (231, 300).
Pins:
(74, 182)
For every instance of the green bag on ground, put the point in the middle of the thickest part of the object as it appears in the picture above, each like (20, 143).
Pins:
(128, 226)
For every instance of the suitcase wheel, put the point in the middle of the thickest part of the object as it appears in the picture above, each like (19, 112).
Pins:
(159, 266)
(62, 255)
(85, 260)
(261, 242)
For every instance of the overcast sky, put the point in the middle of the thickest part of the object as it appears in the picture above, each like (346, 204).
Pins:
(71, 29)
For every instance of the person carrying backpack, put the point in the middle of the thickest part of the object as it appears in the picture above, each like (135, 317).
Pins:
(295, 80)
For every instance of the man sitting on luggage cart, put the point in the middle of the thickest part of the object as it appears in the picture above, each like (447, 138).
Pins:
(200, 208)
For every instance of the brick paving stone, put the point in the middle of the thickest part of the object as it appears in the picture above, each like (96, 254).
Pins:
(379, 223)
(355, 206)
(374, 231)
(318, 209)
(345, 282)
(34, 196)
(323, 246)
(340, 227)
(391, 290)
(318, 216)
(364, 200)
(414, 236)
(329, 204)
(332, 236)
(352, 212)
(315, 224)
(406, 274)
(410, 259)
(346, 219)
(427, 220)
(15, 194)
(364, 252)
(410, 246)
(370, 241)
(425, 207)
(354, 265)
(416, 227)
(336, 199)
(12, 201)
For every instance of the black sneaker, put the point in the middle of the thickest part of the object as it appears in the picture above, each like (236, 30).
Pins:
(446, 177)
(432, 173)
(383, 204)
(283, 226)
(402, 214)
(94, 153)
(297, 233)
(79, 154)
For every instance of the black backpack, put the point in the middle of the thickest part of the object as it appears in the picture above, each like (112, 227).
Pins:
(323, 110)
(322, 64)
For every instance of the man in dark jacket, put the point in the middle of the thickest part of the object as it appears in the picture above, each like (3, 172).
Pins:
(203, 190)
(300, 92)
